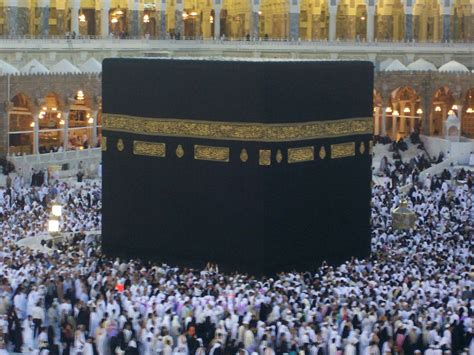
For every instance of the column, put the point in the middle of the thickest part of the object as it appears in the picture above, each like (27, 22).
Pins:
(332, 22)
(93, 141)
(65, 117)
(413, 120)
(36, 133)
(75, 5)
(160, 15)
(370, 23)
(61, 18)
(17, 18)
(408, 23)
(403, 120)
(377, 121)
(178, 13)
(255, 18)
(384, 122)
(446, 14)
(294, 34)
(43, 17)
(4, 123)
(104, 18)
(133, 18)
(217, 19)
(394, 127)
(160, 7)
(425, 116)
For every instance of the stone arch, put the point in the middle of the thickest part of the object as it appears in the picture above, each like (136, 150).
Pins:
(441, 104)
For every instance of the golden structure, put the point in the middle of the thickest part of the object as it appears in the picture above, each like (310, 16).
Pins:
(352, 20)
(403, 218)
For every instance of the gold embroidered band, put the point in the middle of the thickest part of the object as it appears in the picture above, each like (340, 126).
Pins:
(301, 154)
(342, 150)
(149, 149)
(262, 132)
(203, 152)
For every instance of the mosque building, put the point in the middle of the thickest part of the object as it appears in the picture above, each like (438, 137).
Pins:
(344, 20)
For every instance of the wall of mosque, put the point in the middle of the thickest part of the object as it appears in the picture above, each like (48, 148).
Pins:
(351, 20)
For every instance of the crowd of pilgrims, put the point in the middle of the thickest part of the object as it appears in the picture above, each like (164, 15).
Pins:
(413, 295)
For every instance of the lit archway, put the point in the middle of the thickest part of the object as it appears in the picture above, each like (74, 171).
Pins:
(81, 123)
(405, 113)
(441, 104)
(51, 125)
(20, 126)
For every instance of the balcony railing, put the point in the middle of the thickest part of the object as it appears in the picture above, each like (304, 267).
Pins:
(183, 41)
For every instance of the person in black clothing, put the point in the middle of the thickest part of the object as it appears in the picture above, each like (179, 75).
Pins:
(283, 347)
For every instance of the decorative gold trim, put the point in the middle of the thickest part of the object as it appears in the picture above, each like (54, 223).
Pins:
(204, 152)
(371, 146)
(103, 144)
(179, 151)
(261, 132)
(300, 154)
(362, 147)
(151, 149)
(342, 150)
(120, 145)
(244, 155)
(278, 156)
(264, 157)
(322, 153)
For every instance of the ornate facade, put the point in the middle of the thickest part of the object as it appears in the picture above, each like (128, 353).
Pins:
(352, 20)
(63, 112)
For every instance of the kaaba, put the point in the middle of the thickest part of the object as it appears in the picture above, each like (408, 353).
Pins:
(259, 166)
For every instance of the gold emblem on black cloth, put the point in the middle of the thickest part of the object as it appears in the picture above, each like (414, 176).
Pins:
(203, 152)
(103, 144)
(179, 151)
(342, 150)
(322, 152)
(120, 145)
(244, 155)
(362, 147)
(264, 157)
(151, 149)
(300, 154)
(278, 156)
